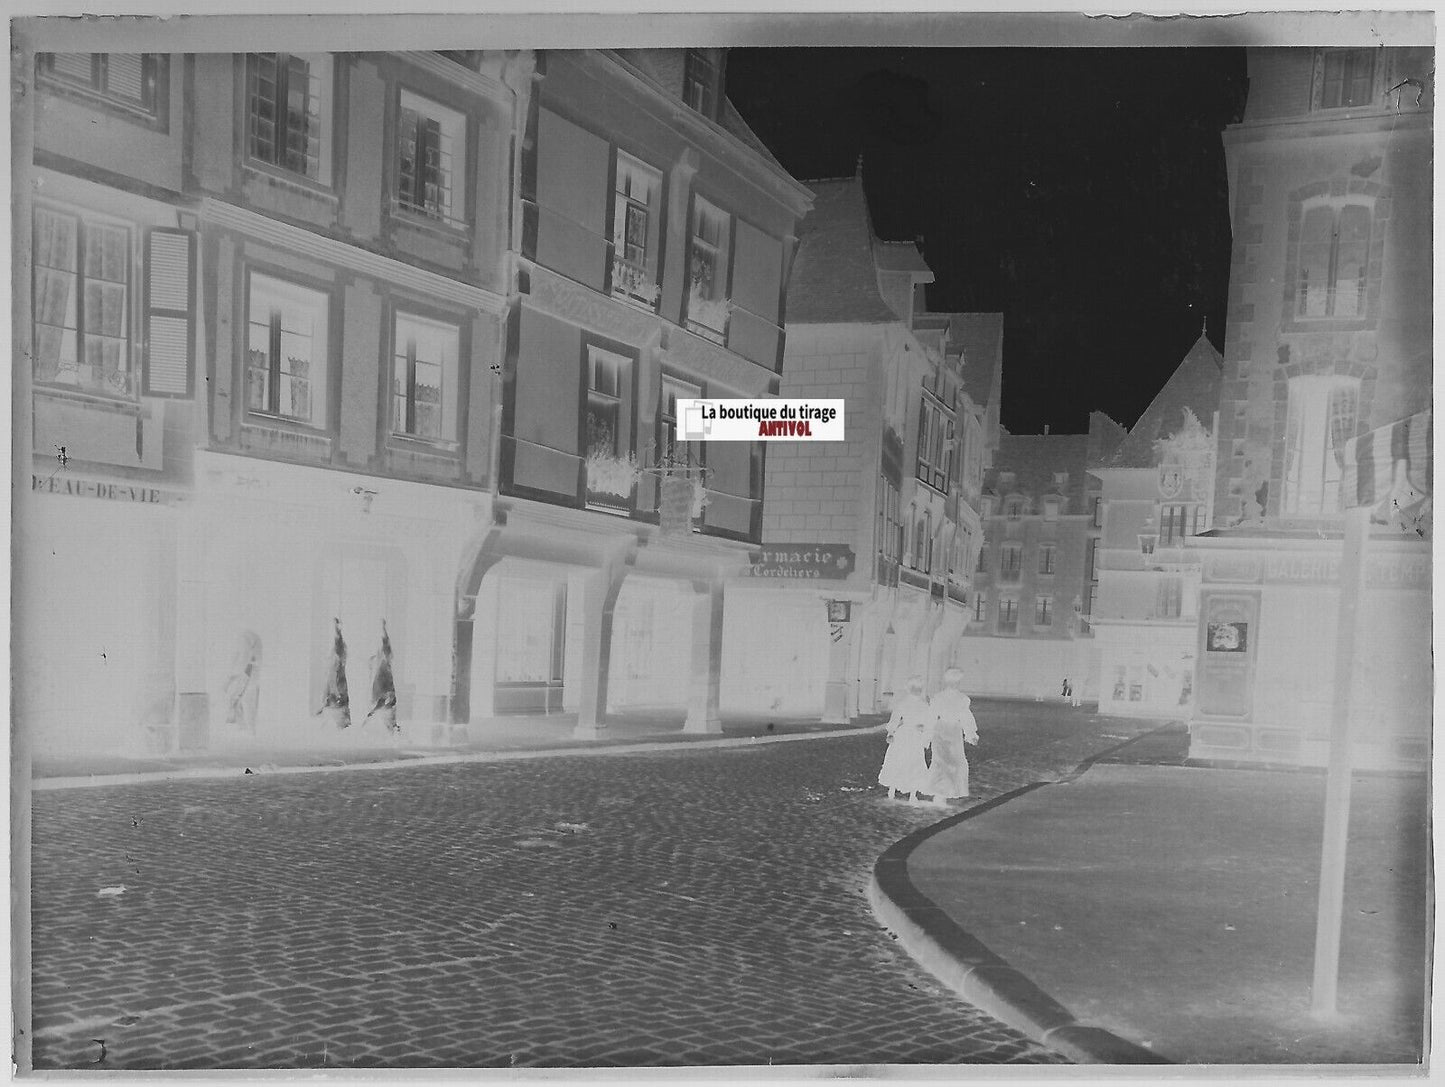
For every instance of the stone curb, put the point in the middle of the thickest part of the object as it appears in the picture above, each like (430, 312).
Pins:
(200, 773)
(973, 971)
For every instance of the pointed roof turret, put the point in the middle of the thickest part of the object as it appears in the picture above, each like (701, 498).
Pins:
(1195, 384)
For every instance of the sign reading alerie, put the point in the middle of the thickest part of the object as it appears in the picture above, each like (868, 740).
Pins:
(830, 561)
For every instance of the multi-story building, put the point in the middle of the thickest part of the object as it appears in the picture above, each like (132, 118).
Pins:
(1329, 337)
(894, 504)
(1157, 491)
(1033, 591)
(382, 337)
(655, 238)
(269, 296)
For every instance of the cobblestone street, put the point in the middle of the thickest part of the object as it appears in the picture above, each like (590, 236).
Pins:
(681, 907)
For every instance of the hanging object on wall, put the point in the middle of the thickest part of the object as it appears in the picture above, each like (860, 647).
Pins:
(383, 685)
(336, 706)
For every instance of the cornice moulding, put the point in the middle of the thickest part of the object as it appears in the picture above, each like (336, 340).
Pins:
(283, 235)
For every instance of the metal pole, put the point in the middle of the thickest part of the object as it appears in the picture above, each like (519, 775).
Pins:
(1330, 913)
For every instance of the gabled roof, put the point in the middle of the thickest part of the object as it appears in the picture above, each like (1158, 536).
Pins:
(833, 279)
(981, 336)
(1195, 385)
(1034, 458)
(733, 122)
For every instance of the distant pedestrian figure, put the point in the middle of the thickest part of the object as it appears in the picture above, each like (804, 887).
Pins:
(383, 685)
(336, 706)
(953, 729)
(905, 769)
(1068, 691)
(243, 686)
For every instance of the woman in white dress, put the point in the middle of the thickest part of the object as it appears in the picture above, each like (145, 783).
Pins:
(954, 728)
(909, 731)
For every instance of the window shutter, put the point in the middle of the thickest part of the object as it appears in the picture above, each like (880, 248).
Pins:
(169, 313)
(125, 75)
(75, 66)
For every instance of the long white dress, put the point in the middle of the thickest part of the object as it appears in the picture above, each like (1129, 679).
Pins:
(910, 728)
(954, 725)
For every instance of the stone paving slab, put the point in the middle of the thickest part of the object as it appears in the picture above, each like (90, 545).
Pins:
(1175, 907)
(682, 907)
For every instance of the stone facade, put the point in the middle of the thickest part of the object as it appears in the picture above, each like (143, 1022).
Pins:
(1329, 337)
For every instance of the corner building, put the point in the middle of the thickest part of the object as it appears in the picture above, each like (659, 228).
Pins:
(654, 237)
(1329, 339)
(896, 500)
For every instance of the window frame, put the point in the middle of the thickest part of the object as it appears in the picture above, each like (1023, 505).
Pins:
(1320, 84)
(452, 211)
(637, 283)
(325, 114)
(701, 80)
(1043, 610)
(1008, 614)
(319, 385)
(936, 427)
(446, 414)
(1337, 207)
(1010, 570)
(717, 303)
(152, 108)
(1315, 394)
(84, 220)
(1048, 557)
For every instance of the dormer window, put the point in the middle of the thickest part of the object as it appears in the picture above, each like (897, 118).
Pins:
(1051, 509)
(700, 82)
(1014, 508)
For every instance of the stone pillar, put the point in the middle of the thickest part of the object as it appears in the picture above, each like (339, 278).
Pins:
(705, 665)
(599, 600)
(193, 700)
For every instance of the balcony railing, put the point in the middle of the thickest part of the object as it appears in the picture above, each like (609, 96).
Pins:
(632, 283)
(708, 317)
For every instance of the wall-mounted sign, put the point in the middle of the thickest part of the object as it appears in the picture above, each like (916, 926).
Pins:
(840, 611)
(1228, 638)
(65, 484)
(817, 561)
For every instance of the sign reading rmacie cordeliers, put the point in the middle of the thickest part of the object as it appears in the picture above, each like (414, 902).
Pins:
(820, 561)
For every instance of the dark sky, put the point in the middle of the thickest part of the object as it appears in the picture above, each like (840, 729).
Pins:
(1080, 192)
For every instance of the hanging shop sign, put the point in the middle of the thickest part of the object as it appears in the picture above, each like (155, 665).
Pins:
(814, 561)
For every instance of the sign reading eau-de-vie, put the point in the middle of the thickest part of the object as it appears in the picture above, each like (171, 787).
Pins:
(832, 562)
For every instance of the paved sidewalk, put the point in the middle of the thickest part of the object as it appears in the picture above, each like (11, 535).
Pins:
(504, 737)
(1146, 912)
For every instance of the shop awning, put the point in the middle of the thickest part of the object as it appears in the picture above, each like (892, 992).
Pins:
(1370, 460)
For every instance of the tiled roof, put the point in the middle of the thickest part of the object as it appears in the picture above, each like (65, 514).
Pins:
(902, 257)
(833, 280)
(733, 122)
(981, 336)
(1034, 458)
(1195, 385)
